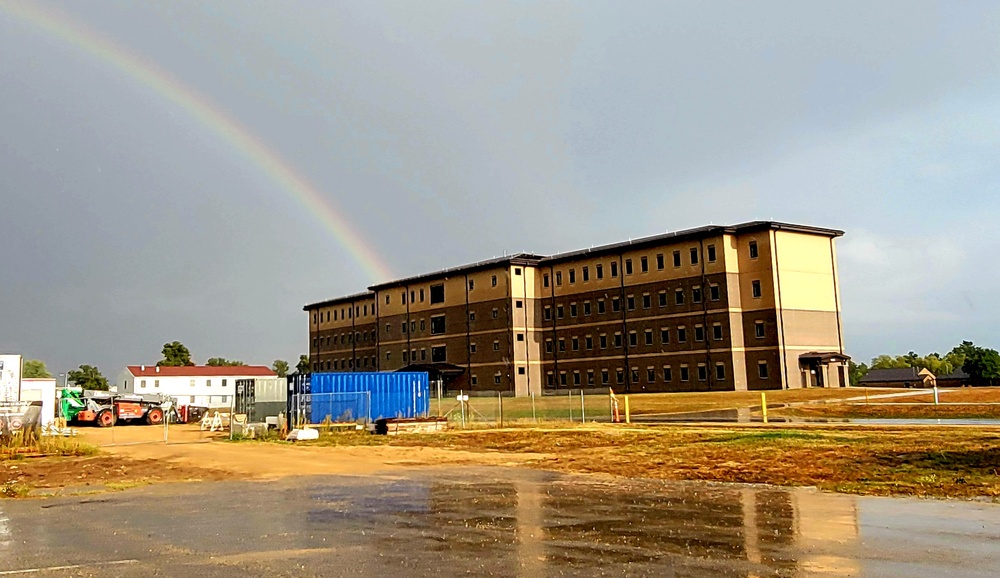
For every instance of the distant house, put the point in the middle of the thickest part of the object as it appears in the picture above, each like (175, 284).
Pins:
(957, 378)
(898, 377)
(202, 385)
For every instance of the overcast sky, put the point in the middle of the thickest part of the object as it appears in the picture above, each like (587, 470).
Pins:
(449, 132)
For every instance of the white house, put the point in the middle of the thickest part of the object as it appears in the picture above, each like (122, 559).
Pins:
(203, 385)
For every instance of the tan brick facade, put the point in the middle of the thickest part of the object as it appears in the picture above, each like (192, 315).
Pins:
(715, 308)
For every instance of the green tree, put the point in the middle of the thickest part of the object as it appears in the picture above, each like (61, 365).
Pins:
(34, 368)
(223, 362)
(959, 353)
(88, 377)
(982, 365)
(175, 355)
(303, 365)
(888, 362)
(280, 367)
(856, 371)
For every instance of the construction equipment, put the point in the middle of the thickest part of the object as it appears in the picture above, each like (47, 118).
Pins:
(106, 409)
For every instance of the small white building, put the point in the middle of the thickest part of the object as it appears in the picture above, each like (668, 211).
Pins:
(202, 385)
(43, 390)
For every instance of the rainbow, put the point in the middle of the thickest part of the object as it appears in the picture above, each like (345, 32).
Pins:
(213, 118)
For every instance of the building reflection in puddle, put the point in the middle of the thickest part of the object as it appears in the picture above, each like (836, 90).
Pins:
(537, 525)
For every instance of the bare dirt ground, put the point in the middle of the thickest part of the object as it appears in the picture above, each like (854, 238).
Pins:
(973, 403)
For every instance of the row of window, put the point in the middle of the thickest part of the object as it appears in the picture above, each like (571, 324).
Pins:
(648, 337)
(666, 375)
(156, 383)
(630, 302)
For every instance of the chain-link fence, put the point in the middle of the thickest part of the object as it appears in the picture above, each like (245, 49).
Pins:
(467, 410)
(330, 408)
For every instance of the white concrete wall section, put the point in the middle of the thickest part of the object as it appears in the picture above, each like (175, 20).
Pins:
(43, 390)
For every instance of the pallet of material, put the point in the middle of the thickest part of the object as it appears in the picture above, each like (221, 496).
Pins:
(395, 426)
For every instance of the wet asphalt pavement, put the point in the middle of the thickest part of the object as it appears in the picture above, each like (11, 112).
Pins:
(493, 522)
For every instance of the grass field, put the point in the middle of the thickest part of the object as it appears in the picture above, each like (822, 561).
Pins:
(939, 462)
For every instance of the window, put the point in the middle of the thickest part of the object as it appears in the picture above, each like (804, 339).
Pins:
(756, 289)
(497, 378)
(614, 268)
(328, 316)
(605, 376)
(644, 264)
(519, 304)
(699, 333)
(314, 318)
(758, 327)
(762, 369)
(520, 337)
(679, 296)
(474, 380)
(682, 335)
(649, 336)
(713, 292)
(562, 378)
(576, 378)
(413, 326)
(403, 326)
(493, 280)
(517, 270)
(650, 374)
(720, 371)
(545, 280)
(562, 344)
(423, 324)
(600, 307)
(635, 375)
(403, 298)
(685, 374)
(753, 250)
(437, 294)
(717, 331)
(615, 305)
(575, 343)
(439, 353)
(667, 374)
(677, 258)
(496, 345)
(586, 274)
(388, 355)
(694, 256)
(548, 346)
(604, 341)
(423, 354)
(496, 313)
(590, 377)
(142, 383)
(630, 301)
(586, 307)
(388, 329)
(599, 269)
(696, 294)
(558, 277)
(192, 383)
(520, 371)
(663, 298)
(711, 253)
(550, 379)
(702, 372)
(472, 284)
(548, 312)
(628, 267)
(572, 309)
(156, 383)
(559, 311)
(619, 375)
(589, 341)
(472, 315)
(572, 275)
(647, 301)
(659, 261)
(618, 339)
(406, 356)
(664, 335)
(472, 348)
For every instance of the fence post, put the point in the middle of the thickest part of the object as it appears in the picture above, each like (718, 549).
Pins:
(935, 394)
(628, 414)
(500, 407)
(583, 408)
(570, 392)
(534, 418)
(461, 401)
(763, 405)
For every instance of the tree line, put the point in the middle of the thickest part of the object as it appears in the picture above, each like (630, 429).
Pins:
(980, 363)
(174, 354)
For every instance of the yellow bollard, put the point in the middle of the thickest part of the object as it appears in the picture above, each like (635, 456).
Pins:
(628, 416)
(763, 405)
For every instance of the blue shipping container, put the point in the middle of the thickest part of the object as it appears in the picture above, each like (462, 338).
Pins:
(386, 395)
